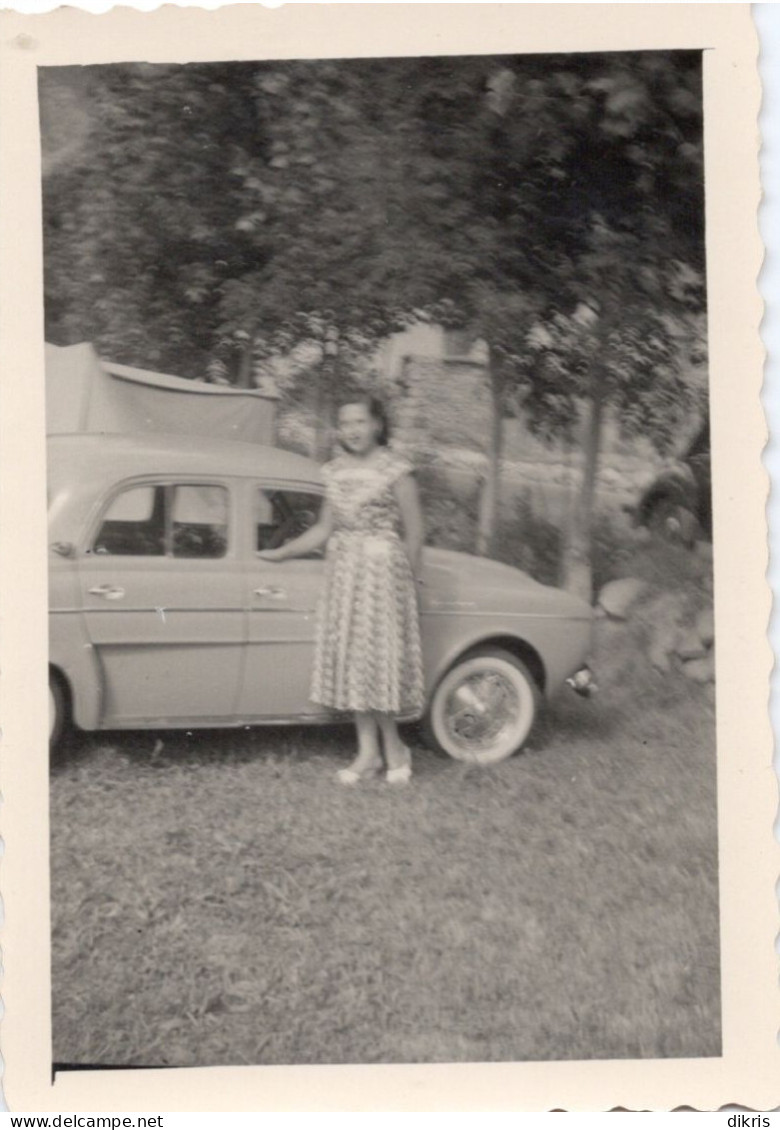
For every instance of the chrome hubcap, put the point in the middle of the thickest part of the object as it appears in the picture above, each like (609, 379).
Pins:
(479, 711)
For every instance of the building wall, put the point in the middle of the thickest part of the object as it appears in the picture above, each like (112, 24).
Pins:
(442, 399)
(443, 404)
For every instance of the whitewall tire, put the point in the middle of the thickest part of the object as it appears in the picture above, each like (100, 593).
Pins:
(484, 707)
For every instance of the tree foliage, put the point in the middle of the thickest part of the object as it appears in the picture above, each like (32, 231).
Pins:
(212, 198)
(213, 215)
(140, 231)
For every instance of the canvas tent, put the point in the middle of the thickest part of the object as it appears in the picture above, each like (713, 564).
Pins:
(86, 394)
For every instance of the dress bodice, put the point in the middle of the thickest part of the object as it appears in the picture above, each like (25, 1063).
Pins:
(362, 495)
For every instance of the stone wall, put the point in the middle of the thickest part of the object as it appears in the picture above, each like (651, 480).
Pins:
(442, 404)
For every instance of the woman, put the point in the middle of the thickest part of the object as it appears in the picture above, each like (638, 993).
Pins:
(368, 658)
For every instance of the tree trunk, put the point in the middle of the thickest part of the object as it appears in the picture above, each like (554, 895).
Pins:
(319, 405)
(578, 572)
(487, 520)
(244, 375)
(243, 379)
(327, 373)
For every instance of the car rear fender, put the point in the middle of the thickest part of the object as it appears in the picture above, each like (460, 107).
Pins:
(451, 650)
(552, 648)
(522, 650)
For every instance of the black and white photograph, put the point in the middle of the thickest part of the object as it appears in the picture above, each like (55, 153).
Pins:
(380, 557)
(445, 320)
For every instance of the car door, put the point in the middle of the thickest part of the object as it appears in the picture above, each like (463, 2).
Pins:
(281, 600)
(161, 592)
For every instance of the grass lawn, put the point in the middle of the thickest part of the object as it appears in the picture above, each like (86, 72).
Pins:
(224, 901)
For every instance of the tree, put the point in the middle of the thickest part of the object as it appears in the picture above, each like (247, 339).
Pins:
(546, 187)
(139, 227)
(252, 218)
(638, 346)
(636, 273)
(220, 213)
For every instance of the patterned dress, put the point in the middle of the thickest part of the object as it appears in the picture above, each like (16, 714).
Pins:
(367, 654)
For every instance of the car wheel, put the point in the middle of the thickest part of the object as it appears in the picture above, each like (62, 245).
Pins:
(484, 707)
(57, 711)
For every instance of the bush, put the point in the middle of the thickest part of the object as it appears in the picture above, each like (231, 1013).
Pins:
(526, 537)
(666, 565)
(450, 516)
(529, 541)
(679, 588)
(613, 545)
(532, 542)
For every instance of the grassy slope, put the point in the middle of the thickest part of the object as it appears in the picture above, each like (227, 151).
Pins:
(227, 902)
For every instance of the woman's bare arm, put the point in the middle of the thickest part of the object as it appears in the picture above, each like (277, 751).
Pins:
(408, 497)
(307, 542)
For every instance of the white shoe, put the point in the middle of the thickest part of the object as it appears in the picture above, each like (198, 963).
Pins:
(401, 774)
(355, 776)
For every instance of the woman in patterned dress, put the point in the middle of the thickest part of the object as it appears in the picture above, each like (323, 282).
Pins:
(368, 658)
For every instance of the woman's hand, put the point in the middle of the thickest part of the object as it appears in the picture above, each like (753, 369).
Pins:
(308, 542)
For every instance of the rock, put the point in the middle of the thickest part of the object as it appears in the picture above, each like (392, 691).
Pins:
(701, 558)
(659, 657)
(617, 597)
(662, 616)
(689, 645)
(663, 644)
(607, 632)
(700, 670)
(683, 527)
(705, 626)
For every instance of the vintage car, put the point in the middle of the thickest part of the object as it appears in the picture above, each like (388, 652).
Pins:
(162, 615)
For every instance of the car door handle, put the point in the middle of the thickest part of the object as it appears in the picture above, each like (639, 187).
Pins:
(110, 592)
(272, 593)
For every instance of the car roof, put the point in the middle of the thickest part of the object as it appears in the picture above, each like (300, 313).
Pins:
(107, 454)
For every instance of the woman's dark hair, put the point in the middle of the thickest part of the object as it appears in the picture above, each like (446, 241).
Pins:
(376, 410)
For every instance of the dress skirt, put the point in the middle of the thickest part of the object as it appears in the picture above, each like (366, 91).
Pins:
(368, 655)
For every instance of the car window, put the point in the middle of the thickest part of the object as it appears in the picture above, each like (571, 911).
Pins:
(134, 524)
(199, 521)
(281, 515)
(178, 520)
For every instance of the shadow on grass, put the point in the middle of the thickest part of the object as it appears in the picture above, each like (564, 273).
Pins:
(159, 750)
(566, 717)
(204, 746)
(571, 716)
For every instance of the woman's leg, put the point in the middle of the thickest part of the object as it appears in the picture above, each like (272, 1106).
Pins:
(368, 753)
(396, 753)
